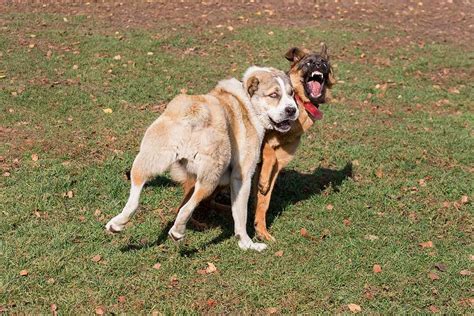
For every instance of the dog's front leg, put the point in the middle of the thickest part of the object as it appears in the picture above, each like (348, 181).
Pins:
(240, 192)
(269, 165)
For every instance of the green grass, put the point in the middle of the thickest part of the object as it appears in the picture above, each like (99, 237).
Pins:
(405, 132)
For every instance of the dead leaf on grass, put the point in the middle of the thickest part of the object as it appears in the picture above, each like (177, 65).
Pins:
(211, 268)
(53, 307)
(354, 308)
(379, 173)
(100, 310)
(279, 253)
(304, 232)
(377, 268)
(157, 266)
(426, 244)
(107, 110)
(211, 303)
(433, 309)
(433, 276)
(272, 310)
(329, 207)
(117, 57)
(347, 222)
(121, 299)
(96, 258)
(34, 157)
(441, 267)
(465, 272)
(24, 272)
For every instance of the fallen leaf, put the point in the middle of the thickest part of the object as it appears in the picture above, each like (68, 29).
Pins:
(427, 244)
(157, 266)
(422, 182)
(211, 303)
(347, 222)
(183, 91)
(107, 110)
(211, 268)
(464, 199)
(433, 276)
(270, 33)
(65, 19)
(97, 212)
(433, 309)
(272, 310)
(465, 272)
(69, 194)
(174, 281)
(100, 310)
(354, 308)
(34, 157)
(230, 28)
(24, 272)
(51, 281)
(441, 267)
(377, 268)
(97, 258)
(117, 57)
(467, 301)
(454, 90)
(53, 307)
(329, 207)
(304, 232)
(471, 257)
(279, 253)
(379, 173)
(75, 67)
(121, 299)
(150, 53)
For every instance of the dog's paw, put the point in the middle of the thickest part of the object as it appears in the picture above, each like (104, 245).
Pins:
(263, 234)
(263, 187)
(257, 246)
(174, 235)
(116, 224)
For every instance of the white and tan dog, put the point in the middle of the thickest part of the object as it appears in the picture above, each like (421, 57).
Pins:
(213, 140)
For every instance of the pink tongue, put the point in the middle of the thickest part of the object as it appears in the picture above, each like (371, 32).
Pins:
(315, 88)
(313, 110)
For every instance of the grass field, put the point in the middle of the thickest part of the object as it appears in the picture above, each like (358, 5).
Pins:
(389, 167)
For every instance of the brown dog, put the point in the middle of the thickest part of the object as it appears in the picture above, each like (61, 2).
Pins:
(310, 76)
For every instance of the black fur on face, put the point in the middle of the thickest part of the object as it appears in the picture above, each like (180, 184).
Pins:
(314, 70)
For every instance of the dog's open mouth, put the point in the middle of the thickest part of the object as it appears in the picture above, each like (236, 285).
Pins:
(283, 126)
(314, 84)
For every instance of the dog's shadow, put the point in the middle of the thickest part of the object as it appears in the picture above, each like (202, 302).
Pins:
(291, 187)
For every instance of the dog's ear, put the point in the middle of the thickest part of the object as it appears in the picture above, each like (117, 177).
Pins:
(294, 54)
(252, 85)
(324, 51)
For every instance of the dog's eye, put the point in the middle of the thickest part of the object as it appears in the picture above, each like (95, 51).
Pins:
(274, 95)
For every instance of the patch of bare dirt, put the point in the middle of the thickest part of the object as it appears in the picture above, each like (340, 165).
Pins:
(440, 21)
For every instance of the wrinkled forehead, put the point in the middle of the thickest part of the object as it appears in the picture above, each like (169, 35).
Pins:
(275, 81)
(313, 57)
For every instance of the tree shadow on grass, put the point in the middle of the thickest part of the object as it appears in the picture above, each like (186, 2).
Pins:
(291, 187)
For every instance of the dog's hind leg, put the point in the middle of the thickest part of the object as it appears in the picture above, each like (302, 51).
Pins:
(143, 169)
(201, 191)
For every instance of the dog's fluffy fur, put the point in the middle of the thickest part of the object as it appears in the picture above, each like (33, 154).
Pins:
(212, 140)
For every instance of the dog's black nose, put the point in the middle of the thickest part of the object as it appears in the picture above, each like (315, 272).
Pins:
(290, 110)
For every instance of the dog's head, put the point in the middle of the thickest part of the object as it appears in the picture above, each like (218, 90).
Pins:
(271, 93)
(310, 75)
